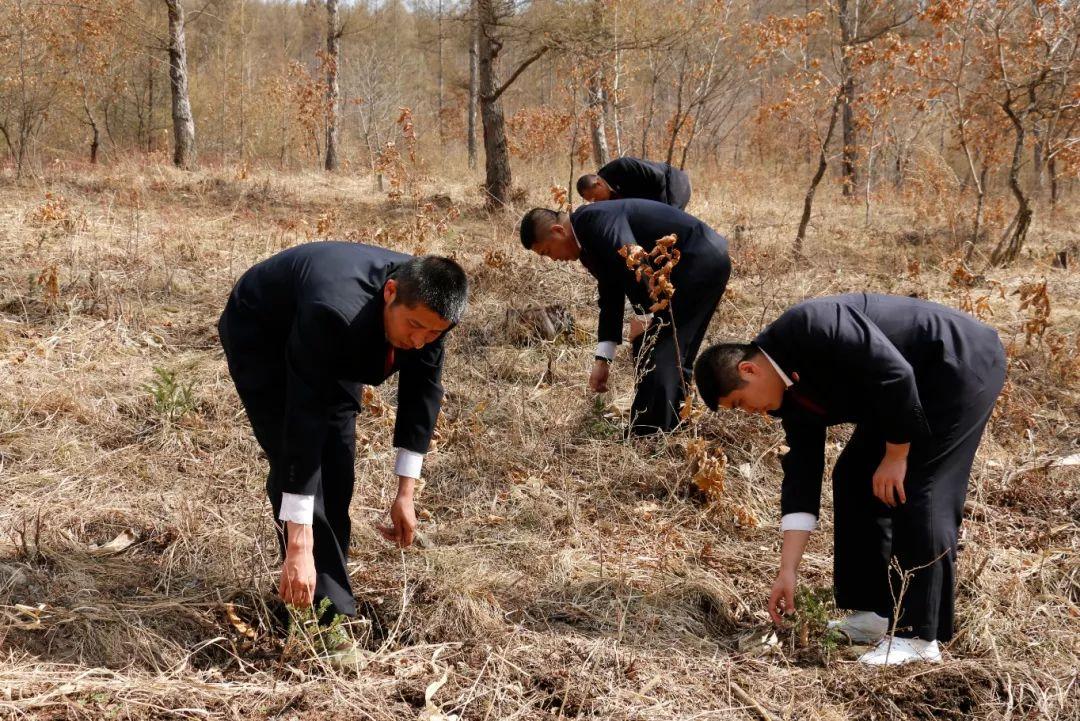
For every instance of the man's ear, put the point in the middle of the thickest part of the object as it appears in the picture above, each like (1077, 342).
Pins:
(748, 368)
(389, 291)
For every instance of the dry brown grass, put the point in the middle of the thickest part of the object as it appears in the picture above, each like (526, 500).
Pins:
(566, 572)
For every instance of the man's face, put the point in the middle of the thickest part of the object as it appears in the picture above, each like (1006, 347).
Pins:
(762, 389)
(409, 328)
(558, 243)
(600, 191)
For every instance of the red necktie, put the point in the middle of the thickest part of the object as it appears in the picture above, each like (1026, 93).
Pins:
(805, 402)
(389, 364)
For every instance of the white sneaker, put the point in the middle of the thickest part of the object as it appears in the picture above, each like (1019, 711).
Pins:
(892, 651)
(862, 627)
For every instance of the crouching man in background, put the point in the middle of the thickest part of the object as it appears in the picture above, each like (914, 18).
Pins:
(628, 177)
(666, 342)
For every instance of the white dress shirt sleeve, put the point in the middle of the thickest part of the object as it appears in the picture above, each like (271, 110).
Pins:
(606, 349)
(798, 522)
(300, 509)
(297, 508)
(408, 463)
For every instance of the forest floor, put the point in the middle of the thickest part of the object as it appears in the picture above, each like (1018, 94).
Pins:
(564, 572)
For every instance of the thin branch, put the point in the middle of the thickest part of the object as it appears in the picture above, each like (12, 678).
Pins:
(514, 75)
(863, 39)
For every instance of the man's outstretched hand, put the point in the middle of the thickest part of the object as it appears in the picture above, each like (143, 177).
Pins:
(297, 587)
(402, 515)
(598, 379)
(782, 597)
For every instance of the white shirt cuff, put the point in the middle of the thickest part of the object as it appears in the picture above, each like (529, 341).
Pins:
(798, 522)
(297, 508)
(408, 463)
(606, 349)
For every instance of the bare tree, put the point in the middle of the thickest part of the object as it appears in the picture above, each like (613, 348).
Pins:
(439, 82)
(848, 28)
(497, 181)
(333, 55)
(1032, 88)
(598, 99)
(597, 113)
(183, 122)
(823, 163)
(30, 75)
(474, 51)
(850, 19)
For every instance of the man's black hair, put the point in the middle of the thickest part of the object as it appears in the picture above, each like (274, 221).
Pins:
(535, 222)
(716, 371)
(437, 283)
(585, 182)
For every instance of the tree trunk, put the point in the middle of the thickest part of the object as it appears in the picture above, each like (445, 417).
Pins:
(243, 85)
(573, 152)
(850, 143)
(24, 111)
(474, 41)
(439, 79)
(597, 104)
(823, 163)
(597, 100)
(1012, 241)
(283, 125)
(1038, 155)
(149, 128)
(646, 125)
(223, 109)
(677, 120)
(1038, 150)
(693, 134)
(847, 115)
(95, 139)
(980, 208)
(616, 121)
(1051, 170)
(183, 123)
(497, 183)
(333, 51)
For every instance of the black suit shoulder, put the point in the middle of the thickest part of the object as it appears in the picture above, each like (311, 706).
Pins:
(340, 276)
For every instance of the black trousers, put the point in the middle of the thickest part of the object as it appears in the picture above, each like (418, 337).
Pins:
(665, 353)
(920, 534)
(258, 371)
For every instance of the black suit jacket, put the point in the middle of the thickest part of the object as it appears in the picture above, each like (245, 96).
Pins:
(899, 364)
(320, 307)
(602, 229)
(649, 180)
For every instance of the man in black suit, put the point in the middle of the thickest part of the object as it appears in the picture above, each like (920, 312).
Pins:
(594, 234)
(919, 382)
(302, 331)
(628, 177)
